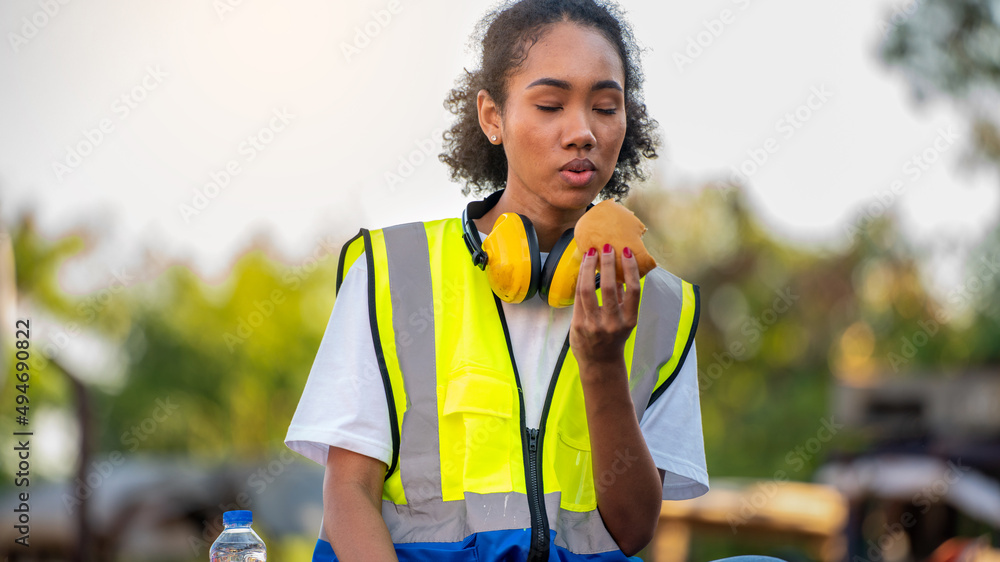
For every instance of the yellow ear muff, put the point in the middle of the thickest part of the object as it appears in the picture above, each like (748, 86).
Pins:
(562, 268)
(513, 263)
(562, 288)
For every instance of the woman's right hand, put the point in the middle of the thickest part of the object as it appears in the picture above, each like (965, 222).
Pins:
(598, 332)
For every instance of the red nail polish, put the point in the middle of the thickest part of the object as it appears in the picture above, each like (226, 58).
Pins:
(591, 252)
(627, 252)
(607, 248)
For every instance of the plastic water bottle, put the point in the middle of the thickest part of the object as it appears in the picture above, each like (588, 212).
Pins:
(238, 542)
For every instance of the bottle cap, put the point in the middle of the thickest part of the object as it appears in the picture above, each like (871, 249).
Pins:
(238, 517)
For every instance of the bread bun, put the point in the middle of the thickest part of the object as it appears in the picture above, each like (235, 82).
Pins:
(609, 222)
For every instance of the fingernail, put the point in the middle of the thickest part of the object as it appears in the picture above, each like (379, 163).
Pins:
(591, 252)
(627, 252)
(607, 248)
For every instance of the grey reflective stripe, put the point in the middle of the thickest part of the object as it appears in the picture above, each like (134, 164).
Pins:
(656, 331)
(410, 286)
(582, 532)
(453, 521)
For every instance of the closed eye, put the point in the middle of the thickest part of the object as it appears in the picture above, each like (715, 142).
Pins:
(553, 108)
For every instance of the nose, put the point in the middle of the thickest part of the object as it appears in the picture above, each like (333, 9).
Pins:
(578, 133)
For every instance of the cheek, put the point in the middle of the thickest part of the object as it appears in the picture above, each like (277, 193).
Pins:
(615, 130)
(527, 142)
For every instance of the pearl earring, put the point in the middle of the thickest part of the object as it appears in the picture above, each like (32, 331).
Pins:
(493, 138)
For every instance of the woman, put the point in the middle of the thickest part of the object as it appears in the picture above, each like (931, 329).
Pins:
(455, 426)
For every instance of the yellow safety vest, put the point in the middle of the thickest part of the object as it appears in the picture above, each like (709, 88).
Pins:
(464, 461)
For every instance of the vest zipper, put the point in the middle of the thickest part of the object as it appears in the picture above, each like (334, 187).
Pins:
(530, 444)
(536, 438)
(539, 550)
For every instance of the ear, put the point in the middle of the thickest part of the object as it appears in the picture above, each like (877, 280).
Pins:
(489, 116)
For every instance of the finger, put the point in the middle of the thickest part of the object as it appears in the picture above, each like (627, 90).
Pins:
(609, 290)
(632, 287)
(586, 290)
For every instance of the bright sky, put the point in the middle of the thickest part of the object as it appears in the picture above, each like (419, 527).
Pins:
(116, 113)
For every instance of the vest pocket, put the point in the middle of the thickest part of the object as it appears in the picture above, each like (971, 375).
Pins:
(477, 419)
(575, 473)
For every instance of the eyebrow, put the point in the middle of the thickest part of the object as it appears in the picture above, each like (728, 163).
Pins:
(564, 85)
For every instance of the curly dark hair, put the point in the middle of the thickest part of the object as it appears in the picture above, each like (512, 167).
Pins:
(505, 35)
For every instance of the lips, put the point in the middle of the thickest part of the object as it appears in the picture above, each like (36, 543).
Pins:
(578, 165)
(577, 179)
(578, 172)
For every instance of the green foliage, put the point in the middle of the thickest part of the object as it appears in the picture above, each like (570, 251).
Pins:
(951, 48)
(233, 358)
(212, 371)
(38, 261)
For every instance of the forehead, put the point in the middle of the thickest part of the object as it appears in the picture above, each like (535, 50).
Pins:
(571, 52)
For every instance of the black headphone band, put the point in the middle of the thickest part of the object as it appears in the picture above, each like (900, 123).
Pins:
(476, 210)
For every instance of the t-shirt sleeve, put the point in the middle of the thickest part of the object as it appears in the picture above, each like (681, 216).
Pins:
(673, 432)
(343, 403)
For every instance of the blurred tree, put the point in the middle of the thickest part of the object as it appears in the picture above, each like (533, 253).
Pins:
(218, 368)
(951, 48)
(233, 358)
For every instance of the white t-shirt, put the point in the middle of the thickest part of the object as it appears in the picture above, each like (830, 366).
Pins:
(343, 403)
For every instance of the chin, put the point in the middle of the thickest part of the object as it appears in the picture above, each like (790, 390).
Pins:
(578, 197)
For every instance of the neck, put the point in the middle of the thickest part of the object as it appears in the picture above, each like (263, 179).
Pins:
(549, 222)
